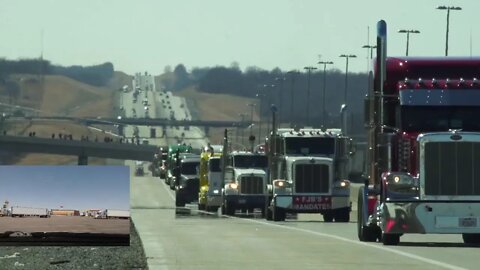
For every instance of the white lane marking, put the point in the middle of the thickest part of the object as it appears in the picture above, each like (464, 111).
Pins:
(398, 252)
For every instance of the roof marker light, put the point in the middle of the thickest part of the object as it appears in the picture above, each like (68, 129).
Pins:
(474, 82)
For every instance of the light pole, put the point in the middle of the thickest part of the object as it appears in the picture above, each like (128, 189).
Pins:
(370, 47)
(292, 73)
(260, 97)
(268, 88)
(448, 23)
(251, 122)
(346, 56)
(280, 97)
(309, 70)
(242, 115)
(408, 32)
(324, 63)
(344, 112)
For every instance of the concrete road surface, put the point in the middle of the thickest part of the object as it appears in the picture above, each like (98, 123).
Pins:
(194, 240)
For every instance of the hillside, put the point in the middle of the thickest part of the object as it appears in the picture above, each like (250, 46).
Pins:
(59, 95)
(220, 107)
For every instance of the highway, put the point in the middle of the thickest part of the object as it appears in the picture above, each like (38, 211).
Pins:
(189, 239)
(193, 240)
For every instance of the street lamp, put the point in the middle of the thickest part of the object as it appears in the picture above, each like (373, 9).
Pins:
(408, 32)
(369, 47)
(346, 56)
(309, 70)
(324, 63)
(260, 97)
(448, 23)
(344, 111)
(242, 115)
(292, 72)
(251, 115)
(268, 88)
(280, 96)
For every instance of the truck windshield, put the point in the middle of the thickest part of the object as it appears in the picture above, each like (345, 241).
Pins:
(310, 145)
(250, 161)
(190, 167)
(214, 165)
(439, 118)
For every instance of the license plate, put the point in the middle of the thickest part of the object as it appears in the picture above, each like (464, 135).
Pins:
(467, 222)
(312, 203)
(242, 201)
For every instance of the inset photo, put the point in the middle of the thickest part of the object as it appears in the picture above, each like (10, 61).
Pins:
(64, 206)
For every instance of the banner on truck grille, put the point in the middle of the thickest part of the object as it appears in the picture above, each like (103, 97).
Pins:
(312, 202)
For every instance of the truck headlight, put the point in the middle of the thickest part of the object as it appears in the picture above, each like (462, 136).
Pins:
(342, 184)
(233, 185)
(216, 191)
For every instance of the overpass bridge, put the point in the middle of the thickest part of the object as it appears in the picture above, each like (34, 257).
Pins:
(161, 122)
(82, 149)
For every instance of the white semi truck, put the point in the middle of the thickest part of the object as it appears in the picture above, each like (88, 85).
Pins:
(17, 211)
(114, 213)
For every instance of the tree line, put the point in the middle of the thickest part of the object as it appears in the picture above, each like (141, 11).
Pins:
(97, 75)
(278, 87)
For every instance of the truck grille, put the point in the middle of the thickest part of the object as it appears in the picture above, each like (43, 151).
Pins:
(311, 178)
(251, 185)
(452, 168)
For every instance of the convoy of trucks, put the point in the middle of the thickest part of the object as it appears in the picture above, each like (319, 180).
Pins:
(424, 148)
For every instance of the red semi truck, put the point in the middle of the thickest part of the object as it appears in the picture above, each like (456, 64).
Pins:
(424, 148)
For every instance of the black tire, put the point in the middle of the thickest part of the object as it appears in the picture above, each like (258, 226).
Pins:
(179, 202)
(268, 214)
(471, 238)
(279, 214)
(223, 210)
(365, 233)
(390, 239)
(229, 208)
(342, 215)
(328, 217)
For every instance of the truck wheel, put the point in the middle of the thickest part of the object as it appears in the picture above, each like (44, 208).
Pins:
(365, 233)
(471, 238)
(390, 239)
(328, 217)
(179, 202)
(230, 209)
(342, 215)
(268, 214)
(278, 214)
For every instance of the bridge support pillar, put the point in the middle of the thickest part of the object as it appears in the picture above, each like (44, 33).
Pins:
(207, 131)
(82, 160)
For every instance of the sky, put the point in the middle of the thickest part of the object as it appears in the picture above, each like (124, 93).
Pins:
(147, 35)
(73, 187)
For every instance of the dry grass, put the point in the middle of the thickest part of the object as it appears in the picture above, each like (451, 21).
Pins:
(60, 95)
(220, 107)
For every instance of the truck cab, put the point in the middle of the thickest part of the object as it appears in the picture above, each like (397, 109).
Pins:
(308, 174)
(424, 148)
(245, 180)
(187, 180)
(209, 197)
